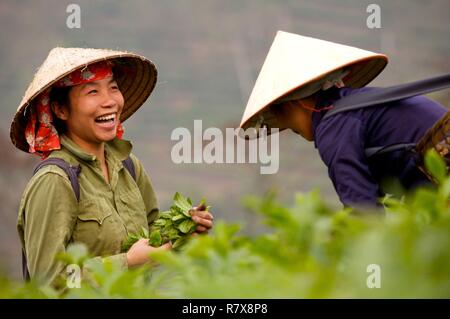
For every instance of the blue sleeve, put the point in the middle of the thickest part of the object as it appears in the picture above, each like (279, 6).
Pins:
(340, 141)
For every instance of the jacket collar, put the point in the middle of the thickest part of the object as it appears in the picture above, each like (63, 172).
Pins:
(116, 148)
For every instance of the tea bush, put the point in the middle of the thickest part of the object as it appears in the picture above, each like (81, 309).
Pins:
(310, 251)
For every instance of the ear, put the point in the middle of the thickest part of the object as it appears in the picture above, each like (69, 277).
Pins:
(61, 111)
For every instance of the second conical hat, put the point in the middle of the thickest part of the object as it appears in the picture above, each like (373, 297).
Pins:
(296, 61)
(136, 81)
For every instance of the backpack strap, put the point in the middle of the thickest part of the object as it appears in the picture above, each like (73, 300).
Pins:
(72, 172)
(389, 94)
(378, 150)
(385, 95)
(129, 165)
(25, 272)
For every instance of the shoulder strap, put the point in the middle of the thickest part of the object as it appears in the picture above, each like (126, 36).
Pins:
(385, 95)
(25, 272)
(129, 165)
(378, 150)
(389, 94)
(71, 171)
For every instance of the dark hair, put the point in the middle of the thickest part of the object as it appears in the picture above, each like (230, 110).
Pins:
(59, 95)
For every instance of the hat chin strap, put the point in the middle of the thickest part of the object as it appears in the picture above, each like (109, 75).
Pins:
(317, 110)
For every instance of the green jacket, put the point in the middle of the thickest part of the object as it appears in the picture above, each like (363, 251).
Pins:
(102, 219)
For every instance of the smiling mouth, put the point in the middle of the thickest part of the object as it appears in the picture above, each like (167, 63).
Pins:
(109, 118)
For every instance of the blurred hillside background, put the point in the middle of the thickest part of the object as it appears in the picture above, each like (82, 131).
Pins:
(208, 54)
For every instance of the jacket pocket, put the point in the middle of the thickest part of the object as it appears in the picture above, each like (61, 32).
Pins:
(93, 211)
(132, 202)
(132, 209)
(97, 228)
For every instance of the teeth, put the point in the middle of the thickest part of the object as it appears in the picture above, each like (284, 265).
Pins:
(106, 117)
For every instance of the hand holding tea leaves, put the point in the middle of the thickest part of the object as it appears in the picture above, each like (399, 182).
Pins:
(175, 225)
(140, 250)
(202, 217)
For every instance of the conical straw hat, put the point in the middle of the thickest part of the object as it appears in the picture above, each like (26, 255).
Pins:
(136, 84)
(295, 62)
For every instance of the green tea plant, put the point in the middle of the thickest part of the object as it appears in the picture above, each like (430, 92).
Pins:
(310, 250)
(173, 225)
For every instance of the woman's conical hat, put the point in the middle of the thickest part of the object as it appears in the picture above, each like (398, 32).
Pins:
(295, 62)
(136, 81)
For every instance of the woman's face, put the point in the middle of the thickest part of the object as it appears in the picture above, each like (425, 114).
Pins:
(293, 115)
(94, 112)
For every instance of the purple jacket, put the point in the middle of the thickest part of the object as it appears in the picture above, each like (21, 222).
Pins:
(341, 140)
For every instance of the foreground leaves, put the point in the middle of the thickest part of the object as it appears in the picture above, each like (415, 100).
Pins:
(308, 250)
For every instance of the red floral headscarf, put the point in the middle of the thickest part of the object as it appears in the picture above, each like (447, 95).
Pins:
(40, 132)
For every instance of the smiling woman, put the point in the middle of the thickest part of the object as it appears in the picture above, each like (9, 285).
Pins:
(90, 188)
(91, 114)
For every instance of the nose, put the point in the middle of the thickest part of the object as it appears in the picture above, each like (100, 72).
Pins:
(108, 100)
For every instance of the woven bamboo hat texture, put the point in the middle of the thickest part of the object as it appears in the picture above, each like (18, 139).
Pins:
(296, 63)
(136, 82)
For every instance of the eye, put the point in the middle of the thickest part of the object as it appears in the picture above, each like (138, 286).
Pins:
(92, 92)
(114, 87)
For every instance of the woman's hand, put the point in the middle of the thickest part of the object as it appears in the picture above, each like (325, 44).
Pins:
(203, 218)
(138, 254)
